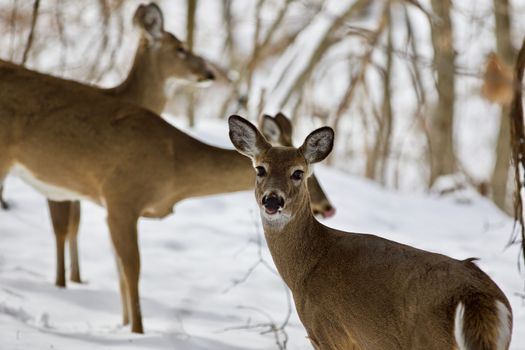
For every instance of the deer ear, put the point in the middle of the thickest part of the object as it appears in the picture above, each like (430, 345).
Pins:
(246, 138)
(150, 19)
(270, 129)
(318, 145)
(284, 122)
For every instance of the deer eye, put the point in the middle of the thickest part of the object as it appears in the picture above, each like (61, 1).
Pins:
(181, 52)
(260, 171)
(297, 175)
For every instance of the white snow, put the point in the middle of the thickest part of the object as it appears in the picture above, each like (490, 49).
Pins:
(195, 291)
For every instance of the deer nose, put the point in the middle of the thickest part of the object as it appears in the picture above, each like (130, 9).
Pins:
(272, 203)
(210, 76)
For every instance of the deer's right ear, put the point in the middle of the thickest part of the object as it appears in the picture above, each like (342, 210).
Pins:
(150, 19)
(246, 138)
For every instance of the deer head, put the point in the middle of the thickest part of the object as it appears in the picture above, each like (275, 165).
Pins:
(282, 172)
(171, 57)
(278, 131)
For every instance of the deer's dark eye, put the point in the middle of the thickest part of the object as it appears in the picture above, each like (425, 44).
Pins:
(260, 171)
(297, 175)
(181, 52)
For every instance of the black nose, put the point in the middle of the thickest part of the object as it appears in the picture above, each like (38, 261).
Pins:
(273, 202)
(210, 76)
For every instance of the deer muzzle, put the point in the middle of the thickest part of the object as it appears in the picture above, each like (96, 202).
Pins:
(272, 203)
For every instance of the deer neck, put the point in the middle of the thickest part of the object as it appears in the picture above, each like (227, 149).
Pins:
(145, 84)
(298, 245)
(214, 170)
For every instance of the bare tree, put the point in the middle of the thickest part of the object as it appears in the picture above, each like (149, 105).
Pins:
(505, 50)
(190, 29)
(381, 148)
(442, 157)
(517, 132)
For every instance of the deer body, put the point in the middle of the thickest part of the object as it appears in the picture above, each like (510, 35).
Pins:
(360, 291)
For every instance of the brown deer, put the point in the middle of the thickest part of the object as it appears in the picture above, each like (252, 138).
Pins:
(160, 56)
(360, 291)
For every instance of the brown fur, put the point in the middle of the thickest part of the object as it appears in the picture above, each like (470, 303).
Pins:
(360, 291)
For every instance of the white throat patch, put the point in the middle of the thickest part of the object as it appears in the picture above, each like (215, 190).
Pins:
(276, 221)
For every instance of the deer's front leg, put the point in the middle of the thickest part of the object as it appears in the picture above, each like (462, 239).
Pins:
(123, 229)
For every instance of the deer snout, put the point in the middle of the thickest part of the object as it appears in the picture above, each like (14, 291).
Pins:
(272, 203)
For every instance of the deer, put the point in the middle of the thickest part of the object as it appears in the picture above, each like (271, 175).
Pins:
(160, 56)
(360, 291)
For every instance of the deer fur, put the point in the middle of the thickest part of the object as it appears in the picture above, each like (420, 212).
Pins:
(360, 291)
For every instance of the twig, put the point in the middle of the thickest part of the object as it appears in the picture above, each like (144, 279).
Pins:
(29, 43)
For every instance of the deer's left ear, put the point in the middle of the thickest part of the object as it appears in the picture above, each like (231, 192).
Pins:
(150, 19)
(246, 138)
(318, 145)
(270, 129)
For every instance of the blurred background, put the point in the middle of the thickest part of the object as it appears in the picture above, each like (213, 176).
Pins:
(417, 90)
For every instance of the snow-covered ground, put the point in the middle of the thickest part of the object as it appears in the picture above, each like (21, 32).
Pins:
(197, 291)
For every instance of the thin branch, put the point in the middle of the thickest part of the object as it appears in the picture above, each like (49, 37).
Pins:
(29, 43)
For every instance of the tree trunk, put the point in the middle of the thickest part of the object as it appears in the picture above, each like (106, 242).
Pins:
(505, 50)
(377, 158)
(190, 28)
(442, 157)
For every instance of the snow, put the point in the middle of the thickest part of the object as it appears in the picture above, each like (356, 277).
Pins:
(196, 289)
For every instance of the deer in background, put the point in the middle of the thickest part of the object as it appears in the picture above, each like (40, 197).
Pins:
(160, 56)
(360, 291)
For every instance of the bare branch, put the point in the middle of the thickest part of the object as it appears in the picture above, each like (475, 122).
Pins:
(29, 43)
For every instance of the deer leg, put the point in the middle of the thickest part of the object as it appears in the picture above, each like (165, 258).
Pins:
(74, 221)
(124, 296)
(123, 229)
(60, 212)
